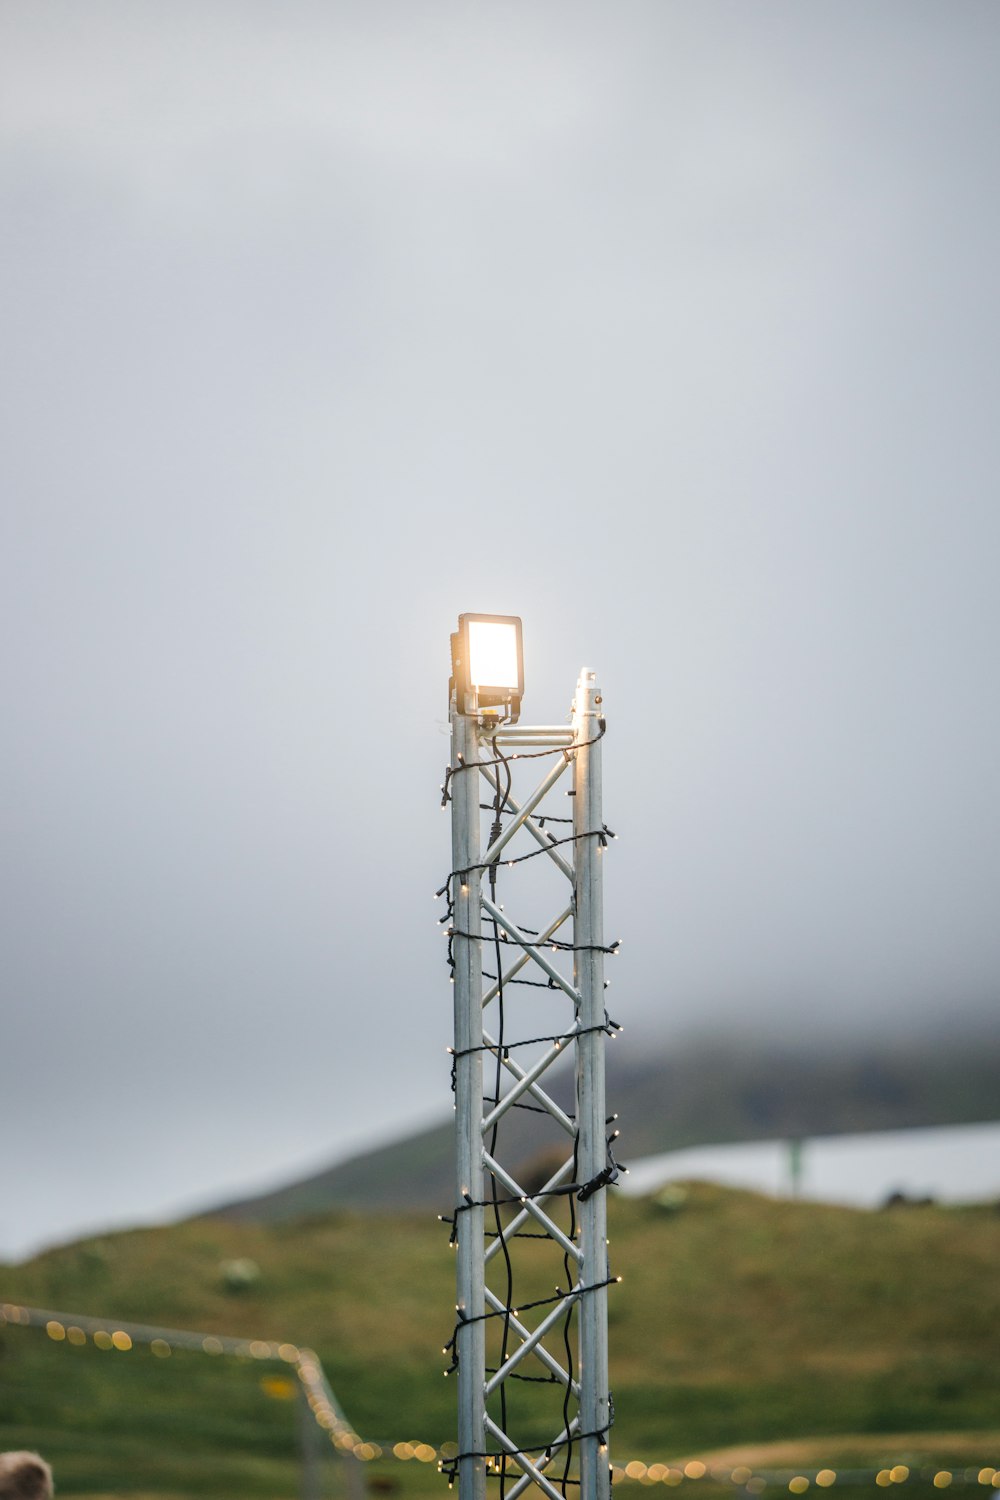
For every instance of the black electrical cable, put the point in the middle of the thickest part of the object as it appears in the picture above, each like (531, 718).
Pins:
(603, 833)
(475, 765)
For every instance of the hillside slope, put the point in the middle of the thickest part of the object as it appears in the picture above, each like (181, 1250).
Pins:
(739, 1322)
(708, 1092)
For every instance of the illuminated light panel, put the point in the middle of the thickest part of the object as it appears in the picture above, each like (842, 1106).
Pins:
(798, 1485)
(826, 1477)
(942, 1479)
(899, 1473)
(493, 655)
(76, 1335)
(55, 1330)
(102, 1339)
(120, 1340)
(160, 1348)
(695, 1469)
(488, 666)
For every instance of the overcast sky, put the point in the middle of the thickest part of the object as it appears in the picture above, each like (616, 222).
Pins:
(672, 327)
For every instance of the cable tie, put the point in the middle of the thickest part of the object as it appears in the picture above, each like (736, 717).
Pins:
(602, 1180)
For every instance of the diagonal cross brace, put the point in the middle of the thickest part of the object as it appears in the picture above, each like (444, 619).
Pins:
(492, 1166)
(528, 822)
(528, 1078)
(532, 1471)
(541, 1353)
(549, 1105)
(530, 1344)
(530, 948)
(522, 1217)
(520, 818)
(525, 958)
(547, 1458)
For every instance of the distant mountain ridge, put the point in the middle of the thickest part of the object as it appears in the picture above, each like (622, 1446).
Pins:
(704, 1093)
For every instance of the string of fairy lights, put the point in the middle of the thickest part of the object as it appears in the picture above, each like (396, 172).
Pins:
(77, 1331)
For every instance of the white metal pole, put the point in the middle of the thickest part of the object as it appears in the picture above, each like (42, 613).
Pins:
(595, 1479)
(470, 1343)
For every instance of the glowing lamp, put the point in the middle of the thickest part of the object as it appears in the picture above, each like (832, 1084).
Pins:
(488, 666)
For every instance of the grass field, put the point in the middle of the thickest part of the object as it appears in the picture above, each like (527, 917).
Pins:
(775, 1334)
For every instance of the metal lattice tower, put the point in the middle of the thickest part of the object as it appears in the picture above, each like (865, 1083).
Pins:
(534, 1405)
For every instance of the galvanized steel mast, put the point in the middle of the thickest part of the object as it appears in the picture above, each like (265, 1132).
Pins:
(584, 1413)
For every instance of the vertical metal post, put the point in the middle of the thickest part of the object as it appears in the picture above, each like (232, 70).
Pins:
(469, 1223)
(357, 1485)
(309, 1445)
(595, 1479)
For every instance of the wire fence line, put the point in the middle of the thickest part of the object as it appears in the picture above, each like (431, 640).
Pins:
(122, 1335)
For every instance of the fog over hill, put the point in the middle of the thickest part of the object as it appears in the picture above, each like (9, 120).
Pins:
(709, 1091)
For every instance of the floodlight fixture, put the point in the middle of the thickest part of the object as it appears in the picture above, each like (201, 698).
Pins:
(487, 662)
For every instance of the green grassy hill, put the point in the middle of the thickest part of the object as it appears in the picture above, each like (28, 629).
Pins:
(847, 1337)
